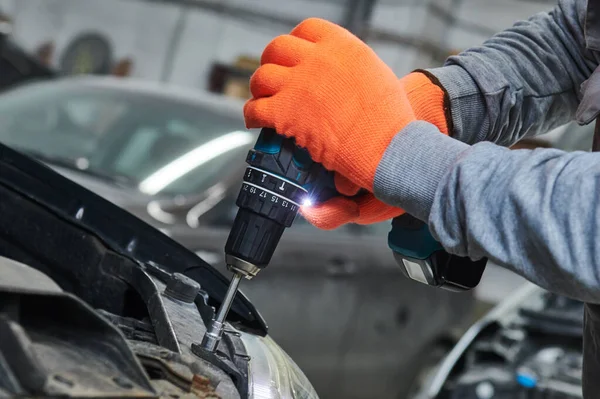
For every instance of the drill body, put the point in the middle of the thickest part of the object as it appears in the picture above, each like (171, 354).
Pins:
(279, 179)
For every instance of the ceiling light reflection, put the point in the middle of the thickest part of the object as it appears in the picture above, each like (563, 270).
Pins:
(189, 161)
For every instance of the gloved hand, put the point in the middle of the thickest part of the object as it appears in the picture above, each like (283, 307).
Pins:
(326, 88)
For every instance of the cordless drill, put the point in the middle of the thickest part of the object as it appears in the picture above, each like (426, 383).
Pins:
(279, 179)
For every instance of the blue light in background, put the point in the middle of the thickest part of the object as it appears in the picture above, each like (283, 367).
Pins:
(526, 380)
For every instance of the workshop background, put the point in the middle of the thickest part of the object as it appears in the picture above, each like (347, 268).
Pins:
(188, 41)
(346, 342)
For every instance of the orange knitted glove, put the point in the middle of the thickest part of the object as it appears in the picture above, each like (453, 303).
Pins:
(328, 90)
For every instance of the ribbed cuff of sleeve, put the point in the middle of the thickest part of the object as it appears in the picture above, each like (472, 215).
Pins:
(413, 166)
(467, 104)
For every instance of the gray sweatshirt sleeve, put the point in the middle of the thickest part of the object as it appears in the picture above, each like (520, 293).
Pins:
(536, 212)
(521, 82)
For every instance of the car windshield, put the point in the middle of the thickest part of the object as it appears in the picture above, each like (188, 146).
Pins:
(154, 144)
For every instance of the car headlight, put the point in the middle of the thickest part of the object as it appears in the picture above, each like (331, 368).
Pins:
(272, 373)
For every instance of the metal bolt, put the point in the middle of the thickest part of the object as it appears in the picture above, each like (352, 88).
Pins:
(182, 288)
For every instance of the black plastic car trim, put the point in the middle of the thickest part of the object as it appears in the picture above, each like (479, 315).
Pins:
(122, 232)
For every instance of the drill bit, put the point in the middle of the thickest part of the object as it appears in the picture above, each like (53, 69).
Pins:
(215, 330)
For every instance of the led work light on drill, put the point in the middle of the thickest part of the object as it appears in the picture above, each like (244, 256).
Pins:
(280, 178)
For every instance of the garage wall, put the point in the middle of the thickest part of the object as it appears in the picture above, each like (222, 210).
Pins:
(179, 44)
(131, 28)
(7, 6)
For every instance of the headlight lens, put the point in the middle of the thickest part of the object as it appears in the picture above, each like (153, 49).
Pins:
(273, 374)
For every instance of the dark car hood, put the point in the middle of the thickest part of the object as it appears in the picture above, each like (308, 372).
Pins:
(124, 233)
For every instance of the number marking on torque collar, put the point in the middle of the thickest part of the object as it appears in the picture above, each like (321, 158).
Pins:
(272, 193)
(278, 177)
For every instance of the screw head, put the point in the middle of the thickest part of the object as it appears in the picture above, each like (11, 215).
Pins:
(182, 288)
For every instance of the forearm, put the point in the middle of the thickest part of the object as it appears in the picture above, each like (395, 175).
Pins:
(534, 212)
(523, 81)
